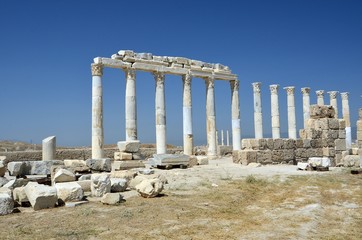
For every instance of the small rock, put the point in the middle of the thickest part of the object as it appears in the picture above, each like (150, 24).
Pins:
(41, 196)
(6, 204)
(64, 175)
(149, 188)
(69, 191)
(111, 198)
(118, 184)
(100, 185)
(254, 165)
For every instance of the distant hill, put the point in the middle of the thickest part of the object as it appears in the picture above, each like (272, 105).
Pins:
(11, 146)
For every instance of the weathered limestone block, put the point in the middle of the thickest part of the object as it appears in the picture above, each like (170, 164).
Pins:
(340, 144)
(342, 124)
(137, 156)
(64, 175)
(329, 152)
(17, 168)
(307, 143)
(359, 135)
(327, 142)
(2, 169)
(127, 164)
(278, 144)
(319, 162)
(202, 160)
(321, 111)
(41, 196)
(101, 184)
(74, 163)
(246, 143)
(289, 144)
(111, 198)
(333, 123)
(125, 156)
(264, 157)
(301, 153)
(313, 134)
(170, 159)
(354, 151)
(6, 204)
(126, 174)
(311, 123)
(331, 134)
(85, 185)
(303, 133)
(278, 155)
(288, 155)
(321, 124)
(119, 184)
(342, 134)
(19, 182)
(19, 195)
(316, 143)
(32, 167)
(351, 161)
(129, 146)
(299, 143)
(104, 164)
(3, 181)
(150, 188)
(302, 165)
(139, 178)
(192, 161)
(244, 156)
(69, 191)
(117, 156)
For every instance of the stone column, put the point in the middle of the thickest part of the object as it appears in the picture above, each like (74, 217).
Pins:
(347, 119)
(49, 148)
(187, 115)
(306, 105)
(97, 112)
(292, 128)
(227, 138)
(222, 137)
(258, 116)
(320, 97)
(333, 101)
(211, 118)
(160, 113)
(235, 114)
(275, 117)
(130, 105)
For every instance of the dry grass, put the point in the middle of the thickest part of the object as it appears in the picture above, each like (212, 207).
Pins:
(303, 207)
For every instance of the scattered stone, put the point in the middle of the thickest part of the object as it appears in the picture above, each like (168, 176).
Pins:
(351, 161)
(74, 204)
(127, 164)
(85, 184)
(2, 169)
(146, 171)
(112, 198)
(69, 191)
(149, 188)
(192, 161)
(64, 175)
(85, 177)
(170, 159)
(104, 164)
(41, 196)
(201, 160)
(127, 174)
(321, 111)
(302, 166)
(139, 178)
(100, 185)
(19, 182)
(73, 163)
(319, 162)
(6, 204)
(19, 195)
(32, 167)
(3, 181)
(254, 165)
(118, 184)
(129, 146)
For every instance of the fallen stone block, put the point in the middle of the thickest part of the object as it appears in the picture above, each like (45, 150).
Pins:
(125, 156)
(85, 177)
(254, 165)
(19, 182)
(111, 198)
(170, 159)
(19, 195)
(351, 161)
(73, 163)
(319, 162)
(139, 178)
(118, 184)
(126, 174)
(101, 165)
(6, 204)
(127, 164)
(41, 196)
(2, 169)
(32, 167)
(3, 181)
(302, 166)
(17, 168)
(64, 175)
(192, 162)
(201, 160)
(69, 191)
(149, 188)
(100, 185)
(129, 146)
(86, 185)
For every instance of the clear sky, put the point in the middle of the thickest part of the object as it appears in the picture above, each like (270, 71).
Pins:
(46, 49)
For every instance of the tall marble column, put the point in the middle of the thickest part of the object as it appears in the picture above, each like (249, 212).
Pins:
(347, 119)
(227, 138)
(306, 105)
(333, 101)
(160, 113)
(275, 116)
(211, 118)
(222, 137)
(130, 105)
(187, 115)
(97, 112)
(320, 97)
(292, 128)
(235, 114)
(258, 116)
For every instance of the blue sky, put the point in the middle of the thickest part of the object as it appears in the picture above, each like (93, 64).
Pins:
(46, 49)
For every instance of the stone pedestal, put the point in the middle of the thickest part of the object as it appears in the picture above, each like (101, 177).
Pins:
(235, 114)
(347, 119)
(160, 113)
(210, 118)
(320, 97)
(292, 128)
(258, 116)
(306, 105)
(49, 148)
(130, 105)
(187, 115)
(97, 112)
(333, 101)
(275, 117)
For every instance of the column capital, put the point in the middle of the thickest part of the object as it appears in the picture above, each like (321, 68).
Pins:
(256, 87)
(333, 94)
(97, 69)
(274, 88)
(187, 78)
(234, 84)
(159, 77)
(344, 95)
(290, 90)
(305, 90)
(130, 73)
(320, 93)
(210, 82)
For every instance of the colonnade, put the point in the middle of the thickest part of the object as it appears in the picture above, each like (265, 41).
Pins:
(160, 111)
(292, 130)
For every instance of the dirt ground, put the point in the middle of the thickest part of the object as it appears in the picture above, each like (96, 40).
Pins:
(221, 200)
